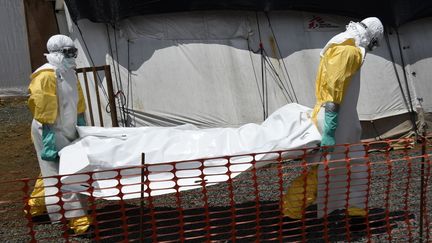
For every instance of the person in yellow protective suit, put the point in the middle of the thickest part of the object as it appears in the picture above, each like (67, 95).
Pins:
(57, 104)
(335, 114)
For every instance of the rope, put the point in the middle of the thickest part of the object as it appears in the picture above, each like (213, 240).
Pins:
(129, 87)
(412, 113)
(274, 76)
(267, 65)
(121, 111)
(253, 67)
(120, 79)
(280, 55)
(399, 81)
(281, 83)
(263, 81)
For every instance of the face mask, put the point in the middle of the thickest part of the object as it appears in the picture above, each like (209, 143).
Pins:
(69, 63)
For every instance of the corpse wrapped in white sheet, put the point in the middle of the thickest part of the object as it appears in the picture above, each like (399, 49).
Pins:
(290, 127)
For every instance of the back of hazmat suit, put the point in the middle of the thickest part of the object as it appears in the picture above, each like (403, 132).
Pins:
(57, 104)
(335, 114)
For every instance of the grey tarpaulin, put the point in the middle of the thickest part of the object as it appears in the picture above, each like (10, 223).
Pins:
(393, 13)
(15, 59)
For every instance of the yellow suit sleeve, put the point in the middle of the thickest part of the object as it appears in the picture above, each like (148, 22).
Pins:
(81, 101)
(43, 97)
(339, 64)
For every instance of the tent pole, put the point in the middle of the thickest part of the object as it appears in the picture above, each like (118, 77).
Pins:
(423, 127)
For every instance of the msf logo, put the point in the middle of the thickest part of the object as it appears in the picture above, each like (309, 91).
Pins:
(316, 22)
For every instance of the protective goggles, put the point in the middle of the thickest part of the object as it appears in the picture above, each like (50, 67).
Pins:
(69, 52)
(374, 43)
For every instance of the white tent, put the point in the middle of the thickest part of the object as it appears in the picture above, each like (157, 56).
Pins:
(206, 68)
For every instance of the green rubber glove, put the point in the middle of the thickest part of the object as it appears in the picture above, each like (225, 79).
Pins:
(330, 125)
(80, 120)
(49, 150)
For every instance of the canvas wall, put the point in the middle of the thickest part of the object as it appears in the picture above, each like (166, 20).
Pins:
(205, 68)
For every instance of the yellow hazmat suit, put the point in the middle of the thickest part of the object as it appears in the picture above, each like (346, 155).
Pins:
(338, 84)
(57, 104)
(337, 67)
(43, 102)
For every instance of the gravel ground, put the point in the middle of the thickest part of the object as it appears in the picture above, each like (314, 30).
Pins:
(397, 187)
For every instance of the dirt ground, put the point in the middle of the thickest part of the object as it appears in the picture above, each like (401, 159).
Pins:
(17, 156)
(17, 162)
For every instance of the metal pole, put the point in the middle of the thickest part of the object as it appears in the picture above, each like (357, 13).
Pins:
(142, 198)
(423, 126)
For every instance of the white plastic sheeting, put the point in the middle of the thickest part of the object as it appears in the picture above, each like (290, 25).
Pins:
(15, 66)
(204, 68)
(101, 149)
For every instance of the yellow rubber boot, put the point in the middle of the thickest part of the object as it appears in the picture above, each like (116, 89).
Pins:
(293, 200)
(37, 199)
(357, 212)
(80, 224)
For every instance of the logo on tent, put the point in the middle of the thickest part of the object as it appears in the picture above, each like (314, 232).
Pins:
(318, 23)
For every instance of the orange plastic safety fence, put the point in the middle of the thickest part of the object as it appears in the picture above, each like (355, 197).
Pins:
(358, 193)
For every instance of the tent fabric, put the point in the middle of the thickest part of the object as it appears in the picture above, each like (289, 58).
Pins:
(393, 13)
(15, 62)
(175, 69)
(99, 149)
(415, 45)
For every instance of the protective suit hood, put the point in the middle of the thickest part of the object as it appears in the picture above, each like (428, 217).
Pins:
(57, 42)
(369, 30)
(55, 57)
